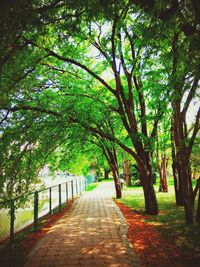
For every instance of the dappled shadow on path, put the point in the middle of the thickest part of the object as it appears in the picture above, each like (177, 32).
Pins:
(91, 235)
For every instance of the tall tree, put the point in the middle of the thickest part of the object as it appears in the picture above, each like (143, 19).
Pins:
(129, 62)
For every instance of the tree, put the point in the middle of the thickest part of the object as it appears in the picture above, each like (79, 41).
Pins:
(126, 169)
(162, 151)
(146, 73)
(129, 89)
(184, 81)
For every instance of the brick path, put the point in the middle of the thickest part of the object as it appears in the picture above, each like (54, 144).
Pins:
(92, 234)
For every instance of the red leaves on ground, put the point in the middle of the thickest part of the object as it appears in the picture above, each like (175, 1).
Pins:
(153, 248)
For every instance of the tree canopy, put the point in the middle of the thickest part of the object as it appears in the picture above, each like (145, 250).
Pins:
(104, 73)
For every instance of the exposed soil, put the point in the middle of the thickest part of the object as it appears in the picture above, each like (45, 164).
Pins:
(152, 244)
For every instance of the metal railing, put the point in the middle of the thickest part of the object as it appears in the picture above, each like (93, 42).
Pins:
(21, 212)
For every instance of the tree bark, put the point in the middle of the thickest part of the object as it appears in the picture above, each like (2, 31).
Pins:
(186, 183)
(106, 174)
(151, 204)
(127, 173)
(162, 169)
(111, 156)
(198, 209)
(177, 185)
(117, 183)
(163, 181)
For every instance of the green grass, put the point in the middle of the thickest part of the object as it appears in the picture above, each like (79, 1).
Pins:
(103, 180)
(170, 219)
(91, 187)
(22, 217)
(94, 185)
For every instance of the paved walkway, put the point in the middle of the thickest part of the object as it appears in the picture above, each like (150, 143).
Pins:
(92, 234)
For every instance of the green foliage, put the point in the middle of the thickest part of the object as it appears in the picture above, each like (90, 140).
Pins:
(55, 109)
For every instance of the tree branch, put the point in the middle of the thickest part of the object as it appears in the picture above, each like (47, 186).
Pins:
(113, 139)
(78, 64)
(195, 131)
(197, 187)
(28, 72)
(5, 117)
(155, 125)
(93, 98)
(142, 106)
(113, 44)
(37, 109)
(190, 97)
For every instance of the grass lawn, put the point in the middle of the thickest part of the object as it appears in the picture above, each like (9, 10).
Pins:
(103, 180)
(22, 217)
(170, 219)
(91, 187)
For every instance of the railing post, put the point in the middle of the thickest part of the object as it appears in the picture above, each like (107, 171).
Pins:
(50, 201)
(76, 187)
(72, 189)
(12, 220)
(66, 192)
(60, 201)
(35, 210)
(80, 186)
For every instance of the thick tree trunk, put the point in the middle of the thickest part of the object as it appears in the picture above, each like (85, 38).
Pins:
(117, 183)
(189, 209)
(188, 198)
(151, 204)
(106, 174)
(127, 173)
(177, 185)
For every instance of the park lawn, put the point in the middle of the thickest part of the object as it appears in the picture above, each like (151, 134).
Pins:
(91, 187)
(103, 180)
(170, 221)
(22, 217)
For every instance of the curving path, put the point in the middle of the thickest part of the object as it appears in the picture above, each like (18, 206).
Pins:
(92, 234)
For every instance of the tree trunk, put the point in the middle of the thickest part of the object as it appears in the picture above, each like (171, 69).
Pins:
(127, 173)
(162, 169)
(177, 185)
(198, 209)
(145, 169)
(117, 183)
(164, 174)
(188, 198)
(189, 210)
(106, 174)
(111, 157)
(151, 204)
